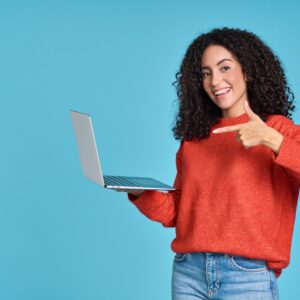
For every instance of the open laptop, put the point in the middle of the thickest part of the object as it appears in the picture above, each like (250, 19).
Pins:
(90, 162)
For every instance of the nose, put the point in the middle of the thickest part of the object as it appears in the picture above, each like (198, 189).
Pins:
(216, 79)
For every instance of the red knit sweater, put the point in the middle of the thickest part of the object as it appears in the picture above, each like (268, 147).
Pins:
(230, 199)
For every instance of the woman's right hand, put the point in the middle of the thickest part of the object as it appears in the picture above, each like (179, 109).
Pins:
(132, 192)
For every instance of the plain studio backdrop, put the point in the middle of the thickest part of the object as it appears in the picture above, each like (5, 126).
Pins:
(61, 236)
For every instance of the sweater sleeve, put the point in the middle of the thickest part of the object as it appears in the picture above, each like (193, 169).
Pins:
(289, 153)
(161, 206)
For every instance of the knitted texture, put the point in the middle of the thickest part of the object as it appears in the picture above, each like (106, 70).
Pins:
(230, 199)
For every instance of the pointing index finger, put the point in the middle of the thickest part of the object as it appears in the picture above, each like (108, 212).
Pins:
(227, 129)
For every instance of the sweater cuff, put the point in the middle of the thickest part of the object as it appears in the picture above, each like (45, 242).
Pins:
(288, 155)
(132, 197)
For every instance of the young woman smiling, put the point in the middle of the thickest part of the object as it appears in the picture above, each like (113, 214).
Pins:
(238, 171)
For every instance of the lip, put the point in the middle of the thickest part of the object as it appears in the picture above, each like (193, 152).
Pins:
(222, 96)
(225, 87)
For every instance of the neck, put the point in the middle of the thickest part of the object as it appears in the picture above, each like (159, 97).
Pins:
(237, 108)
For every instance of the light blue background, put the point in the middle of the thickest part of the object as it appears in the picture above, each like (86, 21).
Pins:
(62, 237)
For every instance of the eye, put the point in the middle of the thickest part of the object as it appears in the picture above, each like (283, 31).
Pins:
(225, 68)
(205, 74)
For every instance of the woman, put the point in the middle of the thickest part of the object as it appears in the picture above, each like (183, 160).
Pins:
(238, 171)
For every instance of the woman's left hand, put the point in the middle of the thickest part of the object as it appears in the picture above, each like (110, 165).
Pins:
(255, 132)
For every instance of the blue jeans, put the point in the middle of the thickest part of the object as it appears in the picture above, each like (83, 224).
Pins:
(206, 275)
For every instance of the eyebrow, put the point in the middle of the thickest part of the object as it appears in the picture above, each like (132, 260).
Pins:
(222, 60)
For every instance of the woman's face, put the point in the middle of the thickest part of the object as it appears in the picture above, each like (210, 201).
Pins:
(224, 81)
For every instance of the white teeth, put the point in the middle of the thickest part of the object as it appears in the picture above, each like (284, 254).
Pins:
(219, 92)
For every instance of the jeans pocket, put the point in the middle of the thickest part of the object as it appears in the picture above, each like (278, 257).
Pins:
(180, 257)
(248, 264)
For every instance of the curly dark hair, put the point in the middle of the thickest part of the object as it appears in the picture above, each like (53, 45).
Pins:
(268, 91)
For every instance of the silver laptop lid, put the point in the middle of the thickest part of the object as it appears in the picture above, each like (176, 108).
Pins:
(86, 143)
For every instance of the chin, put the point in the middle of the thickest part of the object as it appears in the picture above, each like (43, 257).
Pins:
(224, 105)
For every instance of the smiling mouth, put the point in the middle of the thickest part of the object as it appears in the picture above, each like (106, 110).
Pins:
(222, 92)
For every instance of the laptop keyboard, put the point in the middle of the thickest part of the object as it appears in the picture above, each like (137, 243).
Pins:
(118, 181)
(132, 181)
